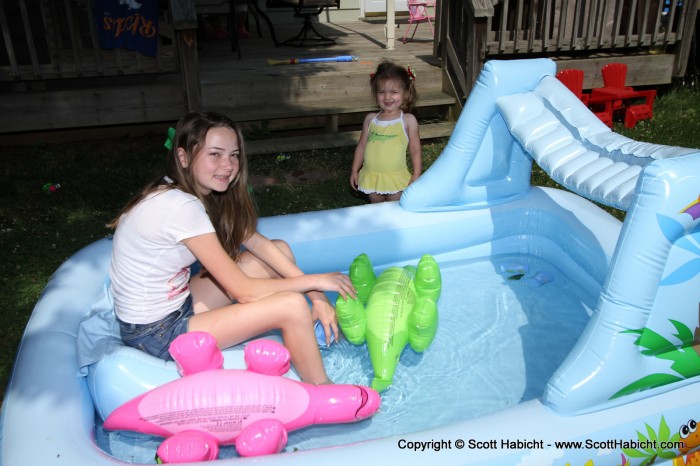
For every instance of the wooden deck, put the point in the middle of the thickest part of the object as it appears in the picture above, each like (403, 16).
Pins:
(310, 105)
(307, 97)
(58, 87)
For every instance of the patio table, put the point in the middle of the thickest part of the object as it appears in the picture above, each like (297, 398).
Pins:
(607, 94)
(622, 99)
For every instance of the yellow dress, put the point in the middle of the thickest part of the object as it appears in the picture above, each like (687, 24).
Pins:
(384, 170)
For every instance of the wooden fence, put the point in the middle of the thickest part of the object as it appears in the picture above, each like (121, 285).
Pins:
(53, 39)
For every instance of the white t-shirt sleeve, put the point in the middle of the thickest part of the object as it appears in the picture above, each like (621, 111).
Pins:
(188, 220)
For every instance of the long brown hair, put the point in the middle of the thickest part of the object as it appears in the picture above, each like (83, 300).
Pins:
(232, 212)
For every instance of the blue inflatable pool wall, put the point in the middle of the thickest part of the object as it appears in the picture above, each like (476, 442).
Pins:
(651, 289)
(635, 365)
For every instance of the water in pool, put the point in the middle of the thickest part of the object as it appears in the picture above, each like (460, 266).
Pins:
(505, 325)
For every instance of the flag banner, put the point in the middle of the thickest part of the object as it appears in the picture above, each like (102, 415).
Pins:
(128, 24)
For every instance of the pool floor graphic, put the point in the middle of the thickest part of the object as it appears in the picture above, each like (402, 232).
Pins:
(655, 444)
(684, 354)
(661, 445)
(674, 231)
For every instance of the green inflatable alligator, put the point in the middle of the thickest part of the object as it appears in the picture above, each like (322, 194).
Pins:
(396, 308)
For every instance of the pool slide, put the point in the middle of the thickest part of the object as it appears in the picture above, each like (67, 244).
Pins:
(632, 373)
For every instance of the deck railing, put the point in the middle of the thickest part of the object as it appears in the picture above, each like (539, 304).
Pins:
(50, 39)
(568, 25)
(472, 31)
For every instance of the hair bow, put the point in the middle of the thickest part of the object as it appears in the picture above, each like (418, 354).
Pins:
(411, 73)
(169, 142)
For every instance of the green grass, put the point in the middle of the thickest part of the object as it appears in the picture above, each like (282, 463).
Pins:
(39, 230)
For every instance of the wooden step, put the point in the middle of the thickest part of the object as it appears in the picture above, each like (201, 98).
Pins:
(323, 101)
(341, 139)
(320, 107)
(301, 84)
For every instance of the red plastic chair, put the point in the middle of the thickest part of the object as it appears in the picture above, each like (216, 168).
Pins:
(573, 80)
(643, 111)
(417, 14)
(615, 76)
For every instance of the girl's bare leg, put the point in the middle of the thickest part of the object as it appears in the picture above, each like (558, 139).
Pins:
(375, 197)
(231, 324)
(287, 311)
(208, 295)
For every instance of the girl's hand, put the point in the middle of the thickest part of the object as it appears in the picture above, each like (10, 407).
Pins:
(353, 181)
(324, 312)
(335, 281)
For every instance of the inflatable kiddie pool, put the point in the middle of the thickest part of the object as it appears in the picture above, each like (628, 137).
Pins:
(565, 337)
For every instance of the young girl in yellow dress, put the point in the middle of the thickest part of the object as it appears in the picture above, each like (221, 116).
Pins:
(379, 167)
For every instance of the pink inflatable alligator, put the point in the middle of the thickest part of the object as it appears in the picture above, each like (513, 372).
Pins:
(253, 409)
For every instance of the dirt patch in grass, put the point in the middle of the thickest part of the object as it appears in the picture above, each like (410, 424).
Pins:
(292, 178)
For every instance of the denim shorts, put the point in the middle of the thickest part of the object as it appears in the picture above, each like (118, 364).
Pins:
(155, 338)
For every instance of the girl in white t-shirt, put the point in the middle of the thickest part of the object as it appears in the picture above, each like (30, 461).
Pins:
(248, 285)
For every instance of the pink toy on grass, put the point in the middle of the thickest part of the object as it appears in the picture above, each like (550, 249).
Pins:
(253, 409)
